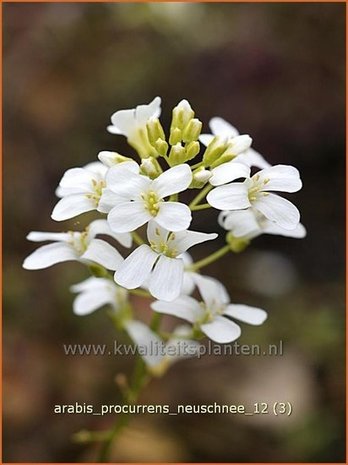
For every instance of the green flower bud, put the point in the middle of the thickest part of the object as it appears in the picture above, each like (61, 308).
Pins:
(237, 244)
(177, 154)
(214, 151)
(192, 130)
(225, 157)
(175, 136)
(155, 130)
(161, 147)
(192, 150)
(182, 114)
(97, 270)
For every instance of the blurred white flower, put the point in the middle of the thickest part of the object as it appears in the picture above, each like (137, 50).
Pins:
(159, 265)
(80, 190)
(250, 223)
(132, 124)
(94, 293)
(157, 354)
(254, 191)
(132, 199)
(210, 315)
(74, 245)
(224, 130)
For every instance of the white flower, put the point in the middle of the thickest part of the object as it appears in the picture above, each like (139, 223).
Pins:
(250, 223)
(160, 264)
(80, 190)
(157, 354)
(254, 191)
(80, 246)
(221, 128)
(132, 124)
(133, 199)
(94, 293)
(210, 316)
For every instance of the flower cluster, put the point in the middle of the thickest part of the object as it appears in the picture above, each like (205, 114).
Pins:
(138, 205)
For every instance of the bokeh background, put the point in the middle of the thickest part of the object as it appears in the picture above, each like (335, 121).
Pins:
(276, 71)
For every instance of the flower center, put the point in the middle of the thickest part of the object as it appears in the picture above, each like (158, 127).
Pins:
(151, 201)
(255, 186)
(79, 240)
(165, 247)
(211, 312)
(97, 190)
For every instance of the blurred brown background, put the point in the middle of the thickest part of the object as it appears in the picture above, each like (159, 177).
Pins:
(276, 71)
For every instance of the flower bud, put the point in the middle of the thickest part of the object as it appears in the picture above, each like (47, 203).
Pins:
(150, 167)
(175, 136)
(182, 114)
(192, 130)
(237, 244)
(177, 154)
(155, 130)
(200, 177)
(111, 158)
(214, 150)
(192, 150)
(161, 147)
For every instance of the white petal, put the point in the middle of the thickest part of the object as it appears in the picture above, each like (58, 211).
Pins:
(108, 200)
(239, 144)
(166, 278)
(220, 127)
(173, 216)
(184, 307)
(38, 236)
(252, 158)
(247, 314)
(206, 139)
(79, 179)
(222, 330)
(240, 222)
(228, 172)
(102, 227)
(271, 228)
(147, 340)
(123, 122)
(97, 168)
(108, 158)
(229, 197)
(151, 110)
(88, 302)
(128, 216)
(278, 210)
(176, 179)
(281, 178)
(71, 206)
(49, 255)
(103, 253)
(124, 182)
(133, 272)
(183, 240)
(212, 291)
(92, 283)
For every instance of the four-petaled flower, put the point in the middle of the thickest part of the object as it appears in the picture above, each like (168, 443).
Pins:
(94, 293)
(80, 246)
(224, 130)
(159, 265)
(211, 315)
(132, 199)
(80, 190)
(132, 124)
(255, 192)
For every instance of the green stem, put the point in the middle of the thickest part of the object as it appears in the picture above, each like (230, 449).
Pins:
(200, 196)
(210, 258)
(137, 238)
(202, 206)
